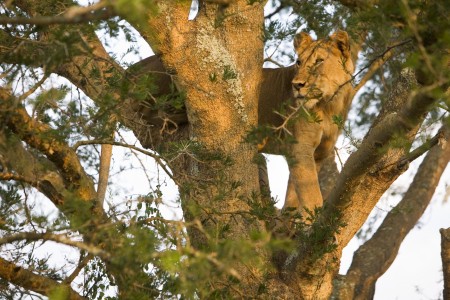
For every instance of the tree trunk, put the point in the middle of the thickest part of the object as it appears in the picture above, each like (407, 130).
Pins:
(221, 74)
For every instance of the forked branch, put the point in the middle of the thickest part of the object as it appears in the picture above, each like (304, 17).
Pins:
(373, 258)
(33, 282)
(368, 156)
(43, 138)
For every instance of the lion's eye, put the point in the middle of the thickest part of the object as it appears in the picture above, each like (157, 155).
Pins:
(298, 62)
(319, 61)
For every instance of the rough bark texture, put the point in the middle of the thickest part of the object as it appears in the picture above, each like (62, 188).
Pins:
(33, 282)
(367, 174)
(445, 254)
(43, 138)
(371, 165)
(218, 73)
(373, 258)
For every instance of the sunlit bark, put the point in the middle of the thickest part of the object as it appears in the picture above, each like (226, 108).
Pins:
(220, 73)
(373, 258)
(33, 282)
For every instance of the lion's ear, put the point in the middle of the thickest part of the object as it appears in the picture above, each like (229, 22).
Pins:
(342, 42)
(301, 41)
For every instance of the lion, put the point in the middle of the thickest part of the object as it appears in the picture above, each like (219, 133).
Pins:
(318, 85)
(319, 88)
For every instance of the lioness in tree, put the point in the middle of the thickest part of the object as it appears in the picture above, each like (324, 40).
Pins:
(319, 86)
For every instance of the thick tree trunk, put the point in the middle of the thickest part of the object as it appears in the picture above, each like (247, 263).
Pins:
(220, 71)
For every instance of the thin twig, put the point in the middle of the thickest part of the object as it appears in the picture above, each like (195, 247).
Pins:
(11, 176)
(338, 156)
(82, 263)
(156, 157)
(411, 156)
(33, 89)
(48, 236)
(269, 59)
(376, 63)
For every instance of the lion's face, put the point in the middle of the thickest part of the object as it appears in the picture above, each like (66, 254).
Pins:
(324, 68)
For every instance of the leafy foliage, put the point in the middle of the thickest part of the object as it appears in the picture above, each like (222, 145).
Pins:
(125, 246)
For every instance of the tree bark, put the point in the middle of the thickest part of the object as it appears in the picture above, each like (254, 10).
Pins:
(445, 254)
(43, 138)
(220, 71)
(373, 258)
(367, 174)
(33, 282)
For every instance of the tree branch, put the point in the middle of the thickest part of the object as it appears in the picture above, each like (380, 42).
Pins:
(33, 282)
(43, 138)
(358, 171)
(84, 260)
(156, 157)
(23, 166)
(44, 186)
(445, 254)
(374, 65)
(373, 258)
(74, 15)
(103, 174)
(48, 236)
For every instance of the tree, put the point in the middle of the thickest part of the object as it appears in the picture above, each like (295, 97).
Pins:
(194, 107)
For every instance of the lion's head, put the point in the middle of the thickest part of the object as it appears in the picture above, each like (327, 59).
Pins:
(324, 68)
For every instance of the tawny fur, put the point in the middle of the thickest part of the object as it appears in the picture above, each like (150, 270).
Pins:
(321, 86)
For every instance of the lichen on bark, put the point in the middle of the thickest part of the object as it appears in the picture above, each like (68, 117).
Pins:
(219, 58)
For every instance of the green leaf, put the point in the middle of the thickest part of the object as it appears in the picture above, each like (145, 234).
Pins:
(170, 261)
(136, 11)
(59, 293)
